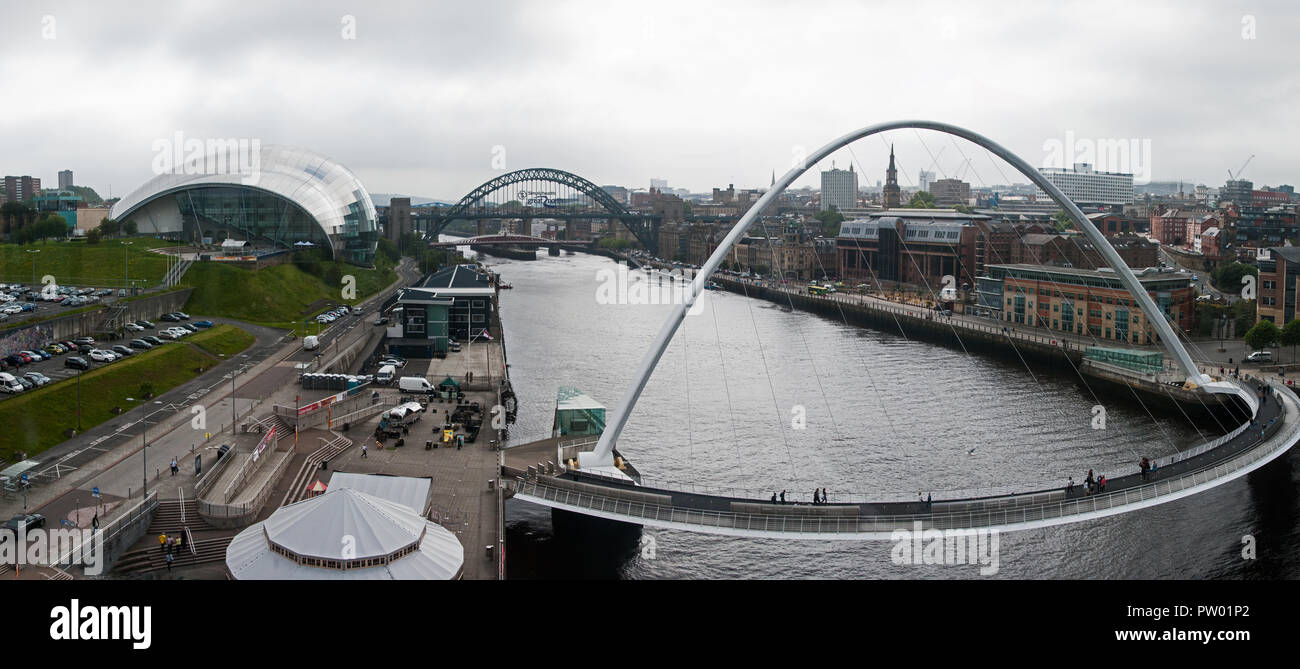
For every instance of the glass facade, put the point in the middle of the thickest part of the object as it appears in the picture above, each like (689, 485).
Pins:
(287, 195)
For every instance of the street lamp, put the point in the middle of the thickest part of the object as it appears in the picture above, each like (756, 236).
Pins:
(126, 265)
(33, 266)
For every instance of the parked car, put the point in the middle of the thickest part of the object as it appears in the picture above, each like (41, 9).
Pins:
(141, 344)
(26, 383)
(76, 362)
(190, 326)
(132, 327)
(170, 318)
(99, 355)
(55, 348)
(146, 325)
(182, 315)
(9, 384)
(122, 351)
(15, 360)
(37, 378)
(203, 324)
(381, 321)
(24, 522)
(41, 354)
(153, 340)
(87, 341)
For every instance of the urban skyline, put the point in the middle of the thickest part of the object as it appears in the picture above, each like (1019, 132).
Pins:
(631, 131)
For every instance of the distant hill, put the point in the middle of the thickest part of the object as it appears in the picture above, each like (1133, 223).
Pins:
(381, 199)
(87, 194)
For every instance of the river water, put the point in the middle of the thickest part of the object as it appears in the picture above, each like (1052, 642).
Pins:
(753, 398)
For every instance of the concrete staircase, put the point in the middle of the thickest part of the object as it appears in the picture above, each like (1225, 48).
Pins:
(173, 516)
(145, 560)
(298, 487)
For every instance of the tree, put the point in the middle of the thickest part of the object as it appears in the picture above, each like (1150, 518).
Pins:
(1291, 336)
(130, 228)
(109, 227)
(93, 236)
(1263, 335)
(1227, 278)
(1062, 221)
(922, 200)
(830, 220)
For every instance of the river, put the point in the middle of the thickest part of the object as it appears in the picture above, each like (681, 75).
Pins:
(756, 398)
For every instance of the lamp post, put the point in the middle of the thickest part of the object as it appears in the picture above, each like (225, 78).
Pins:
(33, 266)
(126, 266)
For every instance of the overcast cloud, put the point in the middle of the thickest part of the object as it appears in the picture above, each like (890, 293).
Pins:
(701, 93)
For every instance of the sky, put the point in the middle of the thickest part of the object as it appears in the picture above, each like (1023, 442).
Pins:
(432, 99)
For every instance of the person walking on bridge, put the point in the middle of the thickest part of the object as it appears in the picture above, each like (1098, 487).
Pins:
(783, 497)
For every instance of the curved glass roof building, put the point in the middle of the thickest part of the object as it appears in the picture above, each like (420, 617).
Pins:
(277, 197)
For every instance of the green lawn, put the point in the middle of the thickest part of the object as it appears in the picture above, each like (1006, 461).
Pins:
(82, 264)
(224, 340)
(38, 419)
(279, 296)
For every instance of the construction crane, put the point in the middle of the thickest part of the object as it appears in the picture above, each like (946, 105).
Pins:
(1241, 169)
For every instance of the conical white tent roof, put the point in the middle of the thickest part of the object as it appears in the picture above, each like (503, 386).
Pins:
(345, 525)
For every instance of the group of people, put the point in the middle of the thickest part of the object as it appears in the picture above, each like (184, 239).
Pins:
(171, 547)
(1148, 468)
(1091, 484)
(819, 496)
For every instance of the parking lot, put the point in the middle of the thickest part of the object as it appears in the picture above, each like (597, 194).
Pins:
(18, 302)
(55, 367)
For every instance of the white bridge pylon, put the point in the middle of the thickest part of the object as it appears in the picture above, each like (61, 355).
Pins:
(603, 455)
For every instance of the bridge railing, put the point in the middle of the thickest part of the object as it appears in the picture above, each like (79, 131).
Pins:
(1015, 511)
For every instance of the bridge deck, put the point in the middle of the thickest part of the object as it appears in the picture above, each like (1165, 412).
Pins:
(1277, 428)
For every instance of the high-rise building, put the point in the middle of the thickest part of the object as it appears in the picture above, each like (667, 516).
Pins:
(1084, 185)
(950, 192)
(659, 184)
(891, 194)
(20, 189)
(924, 180)
(839, 189)
(65, 179)
(1237, 191)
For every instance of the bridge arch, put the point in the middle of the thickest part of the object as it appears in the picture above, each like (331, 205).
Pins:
(602, 456)
(473, 203)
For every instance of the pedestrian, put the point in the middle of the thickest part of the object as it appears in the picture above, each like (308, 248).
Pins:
(783, 497)
(363, 449)
(94, 522)
(929, 500)
(162, 541)
(1101, 483)
(180, 543)
(1069, 486)
(823, 495)
(774, 498)
(169, 562)
(1154, 466)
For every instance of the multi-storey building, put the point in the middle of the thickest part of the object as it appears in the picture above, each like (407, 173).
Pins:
(912, 246)
(1083, 185)
(1279, 281)
(839, 189)
(950, 192)
(65, 179)
(1079, 301)
(21, 189)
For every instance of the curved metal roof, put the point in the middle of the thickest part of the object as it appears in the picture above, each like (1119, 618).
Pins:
(325, 189)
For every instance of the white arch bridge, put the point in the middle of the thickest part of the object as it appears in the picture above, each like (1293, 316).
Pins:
(591, 484)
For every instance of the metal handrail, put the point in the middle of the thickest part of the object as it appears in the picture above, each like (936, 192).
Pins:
(954, 520)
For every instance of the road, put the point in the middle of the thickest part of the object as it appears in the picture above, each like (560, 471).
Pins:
(111, 457)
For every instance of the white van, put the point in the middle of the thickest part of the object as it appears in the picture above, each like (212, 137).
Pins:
(310, 343)
(1260, 356)
(414, 384)
(9, 384)
(386, 374)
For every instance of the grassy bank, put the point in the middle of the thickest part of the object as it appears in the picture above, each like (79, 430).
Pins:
(276, 296)
(82, 264)
(39, 419)
(224, 340)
